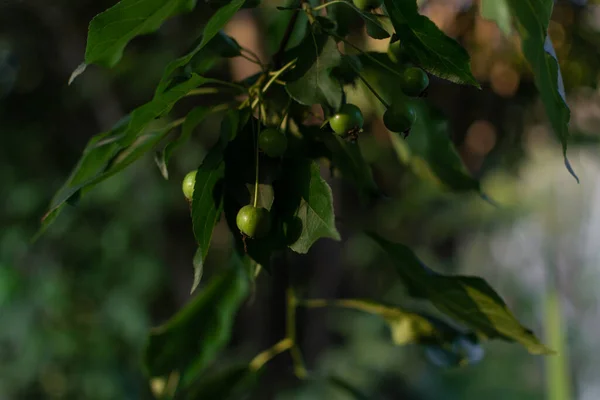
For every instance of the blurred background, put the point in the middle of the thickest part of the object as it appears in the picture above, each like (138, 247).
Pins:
(76, 306)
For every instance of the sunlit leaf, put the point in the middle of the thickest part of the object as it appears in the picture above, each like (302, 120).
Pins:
(469, 300)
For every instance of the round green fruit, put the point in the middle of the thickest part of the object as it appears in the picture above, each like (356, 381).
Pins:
(189, 181)
(414, 81)
(399, 117)
(273, 142)
(254, 222)
(367, 4)
(347, 119)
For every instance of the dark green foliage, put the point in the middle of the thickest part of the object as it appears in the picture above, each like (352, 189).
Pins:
(264, 173)
(192, 338)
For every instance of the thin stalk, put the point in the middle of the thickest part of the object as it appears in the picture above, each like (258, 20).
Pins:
(253, 56)
(349, 4)
(273, 78)
(256, 161)
(267, 355)
(277, 58)
(373, 90)
(252, 60)
(557, 370)
(329, 3)
(370, 57)
(277, 74)
(299, 368)
(225, 83)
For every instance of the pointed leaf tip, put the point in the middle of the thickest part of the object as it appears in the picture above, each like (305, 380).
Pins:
(78, 71)
(570, 169)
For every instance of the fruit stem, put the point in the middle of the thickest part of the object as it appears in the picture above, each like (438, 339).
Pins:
(267, 355)
(329, 3)
(252, 60)
(225, 83)
(273, 78)
(277, 74)
(256, 162)
(252, 56)
(372, 89)
(287, 35)
(370, 57)
(299, 369)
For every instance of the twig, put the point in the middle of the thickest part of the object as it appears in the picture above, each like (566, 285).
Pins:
(299, 368)
(266, 356)
(278, 56)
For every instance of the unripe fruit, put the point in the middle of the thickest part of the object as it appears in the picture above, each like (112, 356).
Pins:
(273, 142)
(414, 81)
(399, 117)
(254, 222)
(367, 4)
(349, 118)
(189, 181)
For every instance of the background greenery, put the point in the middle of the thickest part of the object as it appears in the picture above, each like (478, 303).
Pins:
(76, 306)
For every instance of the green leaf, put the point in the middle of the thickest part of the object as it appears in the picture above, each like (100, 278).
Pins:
(212, 28)
(310, 82)
(427, 46)
(207, 202)
(469, 300)
(192, 338)
(532, 19)
(193, 119)
(430, 153)
(309, 198)
(160, 105)
(111, 30)
(233, 383)
(112, 151)
(374, 27)
(198, 265)
(346, 156)
(344, 16)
